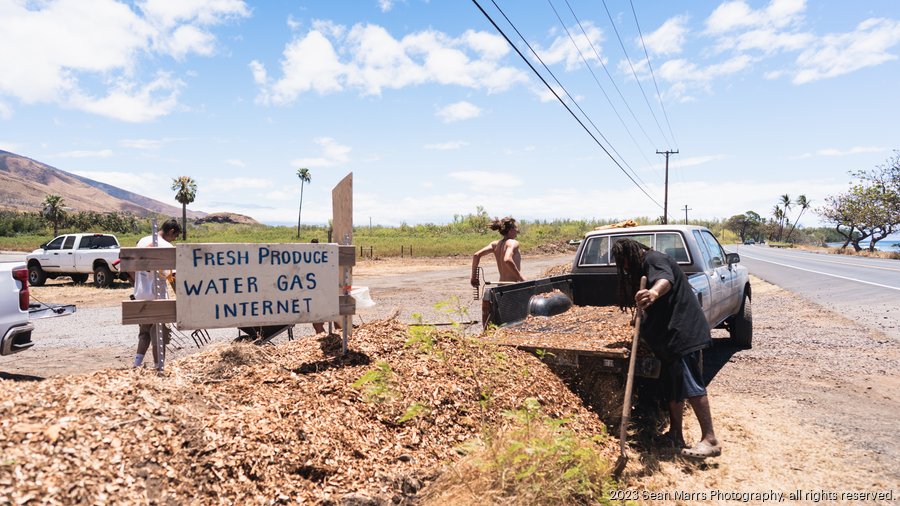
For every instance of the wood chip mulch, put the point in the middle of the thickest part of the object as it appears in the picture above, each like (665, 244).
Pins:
(293, 423)
(603, 329)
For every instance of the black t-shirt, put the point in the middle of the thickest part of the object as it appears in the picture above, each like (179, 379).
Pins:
(675, 323)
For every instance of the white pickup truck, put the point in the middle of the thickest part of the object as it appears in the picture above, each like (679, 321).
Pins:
(76, 256)
(17, 310)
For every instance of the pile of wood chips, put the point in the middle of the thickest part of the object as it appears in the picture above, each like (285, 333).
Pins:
(589, 328)
(241, 424)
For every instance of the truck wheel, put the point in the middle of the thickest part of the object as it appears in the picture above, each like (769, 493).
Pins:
(79, 279)
(102, 276)
(36, 275)
(741, 328)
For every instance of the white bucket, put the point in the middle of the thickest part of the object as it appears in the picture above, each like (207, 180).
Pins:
(362, 297)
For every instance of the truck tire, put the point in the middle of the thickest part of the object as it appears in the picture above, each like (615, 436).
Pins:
(79, 279)
(741, 328)
(102, 276)
(36, 275)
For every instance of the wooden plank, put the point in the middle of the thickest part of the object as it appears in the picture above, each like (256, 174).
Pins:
(146, 259)
(148, 311)
(347, 305)
(347, 255)
(342, 211)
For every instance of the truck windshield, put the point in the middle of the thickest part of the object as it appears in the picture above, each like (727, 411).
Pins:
(596, 249)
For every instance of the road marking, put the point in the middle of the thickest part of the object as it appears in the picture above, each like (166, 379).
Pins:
(824, 273)
(853, 264)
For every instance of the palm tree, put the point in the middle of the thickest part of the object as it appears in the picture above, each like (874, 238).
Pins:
(804, 205)
(53, 211)
(778, 214)
(786, 206)
(305, 177)
(185, 191)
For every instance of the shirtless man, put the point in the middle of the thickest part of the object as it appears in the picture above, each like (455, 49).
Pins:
(509, 260)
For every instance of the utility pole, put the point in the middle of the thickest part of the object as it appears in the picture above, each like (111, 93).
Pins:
(666, 201)
(686, 209)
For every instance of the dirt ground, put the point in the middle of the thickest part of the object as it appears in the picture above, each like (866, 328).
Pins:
(811, 410)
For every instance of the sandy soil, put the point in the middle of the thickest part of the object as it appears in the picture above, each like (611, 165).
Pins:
(812, 407)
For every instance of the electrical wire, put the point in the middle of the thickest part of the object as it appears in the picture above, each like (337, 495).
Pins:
(588, 65)
(561, 101)
(634, 73)
(647, 55)
(613, 81)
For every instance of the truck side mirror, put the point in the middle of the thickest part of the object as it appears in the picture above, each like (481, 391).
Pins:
(732, 258)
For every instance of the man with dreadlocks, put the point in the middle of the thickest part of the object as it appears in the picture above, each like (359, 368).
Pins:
(676, 329)
(506, 253)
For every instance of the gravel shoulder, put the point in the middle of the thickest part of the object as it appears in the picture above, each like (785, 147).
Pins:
(813, 406)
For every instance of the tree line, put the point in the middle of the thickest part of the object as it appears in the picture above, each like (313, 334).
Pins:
(868, 210)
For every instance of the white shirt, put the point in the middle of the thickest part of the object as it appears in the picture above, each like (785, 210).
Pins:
(143, 280)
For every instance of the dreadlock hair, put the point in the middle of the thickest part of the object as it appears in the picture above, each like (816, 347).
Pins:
(632, 252)
(504, 225)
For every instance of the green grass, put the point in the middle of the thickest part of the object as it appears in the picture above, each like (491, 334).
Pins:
(429, 240)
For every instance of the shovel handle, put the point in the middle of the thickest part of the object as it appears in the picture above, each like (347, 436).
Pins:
(629, 381)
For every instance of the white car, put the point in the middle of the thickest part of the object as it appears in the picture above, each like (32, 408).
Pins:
(76, 256)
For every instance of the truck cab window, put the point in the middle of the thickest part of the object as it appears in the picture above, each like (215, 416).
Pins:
(704, 250)
(596, 252)
(56, 243)
(672, 244)
(715, 250)
(70, 241)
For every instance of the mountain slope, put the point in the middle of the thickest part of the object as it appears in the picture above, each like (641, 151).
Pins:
(25, 183)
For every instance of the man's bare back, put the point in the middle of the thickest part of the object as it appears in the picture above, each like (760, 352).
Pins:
(509, 259)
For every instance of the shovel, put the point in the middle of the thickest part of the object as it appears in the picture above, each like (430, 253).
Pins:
(629, 385)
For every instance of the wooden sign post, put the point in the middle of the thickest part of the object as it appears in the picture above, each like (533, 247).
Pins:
(253, 285)
(342, 223)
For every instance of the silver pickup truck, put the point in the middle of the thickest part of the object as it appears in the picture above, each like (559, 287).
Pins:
(721, 284)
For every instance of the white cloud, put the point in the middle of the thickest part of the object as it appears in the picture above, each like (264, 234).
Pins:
(133, 103)
(332, 154)
(458, 111)
(485, 181)
(446, 146)
(562, 49)
(148, 144)
(103, 153)
(385, 5)
(9, 146)
(839, 54)
(736, 15)
(691, 161)
(683, 70)
(88, 48)
(5, 111)
(238, 183)
(668, 38)
(149, 184)
(768, 41)
(856, 150)
(235, 162)
(368, 59)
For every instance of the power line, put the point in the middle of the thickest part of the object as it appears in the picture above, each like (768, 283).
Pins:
(561, 101)
(609, 75)
(666, 201)
(658, 96)
(588, 65)
(572, 39)
(634, 72)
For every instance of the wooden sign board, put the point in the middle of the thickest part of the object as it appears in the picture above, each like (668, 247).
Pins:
(249, 285)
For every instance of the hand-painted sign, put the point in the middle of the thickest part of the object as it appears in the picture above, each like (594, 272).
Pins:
(243, 285)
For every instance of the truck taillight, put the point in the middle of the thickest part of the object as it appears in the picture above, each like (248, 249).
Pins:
(21, 275)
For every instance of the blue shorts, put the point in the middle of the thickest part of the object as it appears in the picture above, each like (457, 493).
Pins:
(683, 378)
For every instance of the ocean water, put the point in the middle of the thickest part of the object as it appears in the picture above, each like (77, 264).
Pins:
(883, 245)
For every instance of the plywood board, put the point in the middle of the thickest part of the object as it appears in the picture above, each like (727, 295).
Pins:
(249, 285)
(342, 211)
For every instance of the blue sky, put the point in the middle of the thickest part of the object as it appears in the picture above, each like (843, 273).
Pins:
(435, 114)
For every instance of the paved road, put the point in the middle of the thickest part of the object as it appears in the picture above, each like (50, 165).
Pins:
(864, 289)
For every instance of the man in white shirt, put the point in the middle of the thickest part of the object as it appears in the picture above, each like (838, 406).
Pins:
(144, 289)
